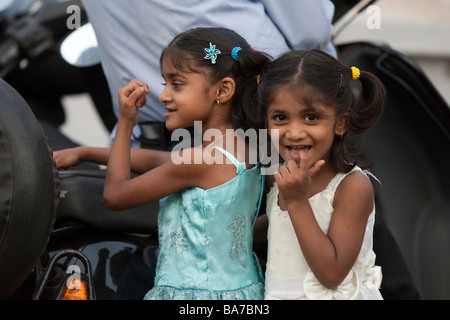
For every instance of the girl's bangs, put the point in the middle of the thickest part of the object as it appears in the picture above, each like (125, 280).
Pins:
(180, 59)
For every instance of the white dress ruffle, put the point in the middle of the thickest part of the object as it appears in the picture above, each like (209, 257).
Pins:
(368, 276)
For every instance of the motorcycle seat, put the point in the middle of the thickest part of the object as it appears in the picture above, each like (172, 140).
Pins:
(81, 199)
(28, 190)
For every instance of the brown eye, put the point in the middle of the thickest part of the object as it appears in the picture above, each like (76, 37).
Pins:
(310, 117)
(280, 117)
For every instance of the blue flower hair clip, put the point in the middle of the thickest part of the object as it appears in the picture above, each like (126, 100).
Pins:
(211, 53)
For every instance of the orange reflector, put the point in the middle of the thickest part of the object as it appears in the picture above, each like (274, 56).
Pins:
(79, 291)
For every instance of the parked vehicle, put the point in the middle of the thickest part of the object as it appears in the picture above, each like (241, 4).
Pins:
(31, 32)
(33, 219)
(58, 241)
(410, 149)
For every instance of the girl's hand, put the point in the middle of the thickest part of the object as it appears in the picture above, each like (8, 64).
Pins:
(294, 181)
(131, 98)
(66, 159)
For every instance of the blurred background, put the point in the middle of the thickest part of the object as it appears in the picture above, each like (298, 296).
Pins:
(420, 29)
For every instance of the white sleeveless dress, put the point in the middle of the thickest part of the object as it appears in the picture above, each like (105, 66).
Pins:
(288, 275)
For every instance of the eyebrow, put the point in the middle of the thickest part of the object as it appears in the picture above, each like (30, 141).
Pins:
(308, 109)
(319, 108)
(314, 108)
(173, 75)
(275, 111)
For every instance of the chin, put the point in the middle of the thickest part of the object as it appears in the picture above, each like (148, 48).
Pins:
(171, 126)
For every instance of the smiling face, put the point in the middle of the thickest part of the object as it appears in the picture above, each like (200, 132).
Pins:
(187, 96)
(303, 128)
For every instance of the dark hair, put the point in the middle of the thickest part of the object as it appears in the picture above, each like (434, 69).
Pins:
(319, 77)
(187, 52)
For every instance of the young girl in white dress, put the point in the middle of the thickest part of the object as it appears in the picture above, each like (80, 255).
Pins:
(320, 206)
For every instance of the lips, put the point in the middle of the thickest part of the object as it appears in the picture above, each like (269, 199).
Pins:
(169, 111)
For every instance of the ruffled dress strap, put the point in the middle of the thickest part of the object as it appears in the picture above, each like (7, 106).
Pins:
(337, 179)
(240, 166)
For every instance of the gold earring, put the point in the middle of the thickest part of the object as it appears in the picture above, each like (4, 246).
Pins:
(340, 135)
(218, 102)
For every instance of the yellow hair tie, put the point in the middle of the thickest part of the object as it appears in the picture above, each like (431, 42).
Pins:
(355, 73)
(258, 79)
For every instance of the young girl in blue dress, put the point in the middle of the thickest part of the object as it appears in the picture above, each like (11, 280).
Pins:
(320, 206)
(211, 198)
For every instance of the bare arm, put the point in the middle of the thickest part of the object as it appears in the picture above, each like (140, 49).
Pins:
(330, 256)
(68, 158)
(142, 160)
(122, 192)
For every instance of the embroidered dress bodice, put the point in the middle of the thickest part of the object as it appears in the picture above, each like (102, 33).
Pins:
(288, 275)
(206, 241)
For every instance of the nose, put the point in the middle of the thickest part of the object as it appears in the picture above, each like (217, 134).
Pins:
(296, 131)
(165, 97)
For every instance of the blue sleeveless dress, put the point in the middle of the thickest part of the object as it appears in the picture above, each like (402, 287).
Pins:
(206, 238)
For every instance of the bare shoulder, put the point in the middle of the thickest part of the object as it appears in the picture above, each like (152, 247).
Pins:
(355, 189)
(187, 162)
(202, 167)
(357, 180)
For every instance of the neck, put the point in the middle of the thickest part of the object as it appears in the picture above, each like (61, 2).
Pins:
(217, 139)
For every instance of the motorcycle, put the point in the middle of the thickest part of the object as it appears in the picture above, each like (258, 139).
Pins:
(31, 32)
(72, 247)
(55, 232)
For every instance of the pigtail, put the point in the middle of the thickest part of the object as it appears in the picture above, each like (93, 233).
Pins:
(366, 111)
(368, 108)
(247, 70)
